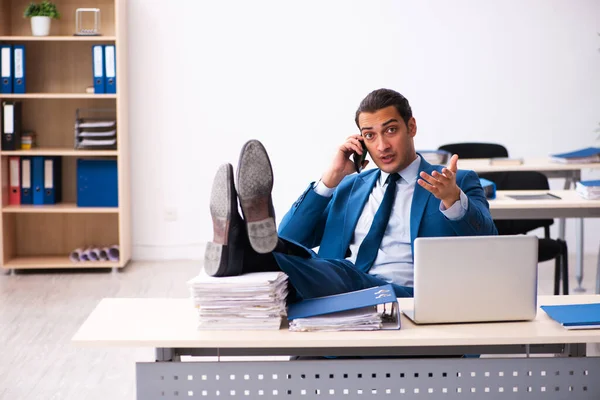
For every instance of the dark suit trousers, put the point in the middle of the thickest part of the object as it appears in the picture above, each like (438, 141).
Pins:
(312, 276)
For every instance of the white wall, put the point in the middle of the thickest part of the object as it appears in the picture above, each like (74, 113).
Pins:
(205, 76)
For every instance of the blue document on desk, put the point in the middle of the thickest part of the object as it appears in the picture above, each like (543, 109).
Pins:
(575, 316)
(489, 188)
(586, 155)
(346, 306)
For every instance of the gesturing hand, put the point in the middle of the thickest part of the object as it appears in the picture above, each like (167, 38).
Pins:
(443, 186)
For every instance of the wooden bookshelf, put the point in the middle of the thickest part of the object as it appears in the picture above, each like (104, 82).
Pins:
(58, 71)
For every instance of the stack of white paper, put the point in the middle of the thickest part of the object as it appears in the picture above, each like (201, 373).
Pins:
(360, 319)
(254, 301)
(588, 189)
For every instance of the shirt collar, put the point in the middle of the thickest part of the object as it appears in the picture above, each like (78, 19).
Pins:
(408, 174)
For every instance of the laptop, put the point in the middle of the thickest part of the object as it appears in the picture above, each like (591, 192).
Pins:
(474, 279)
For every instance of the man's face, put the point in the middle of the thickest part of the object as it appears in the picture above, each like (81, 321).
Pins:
(388, 139)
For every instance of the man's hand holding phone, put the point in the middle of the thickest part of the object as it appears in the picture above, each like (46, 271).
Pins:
(343, 164)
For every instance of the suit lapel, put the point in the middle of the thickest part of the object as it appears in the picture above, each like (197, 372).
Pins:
(419, 201)
(361, 190)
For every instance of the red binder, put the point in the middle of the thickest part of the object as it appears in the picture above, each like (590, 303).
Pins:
(14, 169)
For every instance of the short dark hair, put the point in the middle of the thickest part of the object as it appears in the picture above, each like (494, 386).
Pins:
(382, 98)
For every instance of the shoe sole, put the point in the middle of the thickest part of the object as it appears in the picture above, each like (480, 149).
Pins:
(216, 254)
(254, 185)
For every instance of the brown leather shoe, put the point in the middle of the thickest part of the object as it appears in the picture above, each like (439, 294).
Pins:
(224, 255)
(254, 185)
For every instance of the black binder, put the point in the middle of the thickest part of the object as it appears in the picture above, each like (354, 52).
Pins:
(11, 125)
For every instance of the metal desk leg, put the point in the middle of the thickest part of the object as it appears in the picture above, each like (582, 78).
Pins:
(579, 274)
(575, 177)
(598, 274)
(569, 179)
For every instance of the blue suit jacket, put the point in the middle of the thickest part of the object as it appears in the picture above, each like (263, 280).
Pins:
(329, 222)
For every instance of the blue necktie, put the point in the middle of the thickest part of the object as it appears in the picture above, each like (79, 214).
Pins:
(370, 245)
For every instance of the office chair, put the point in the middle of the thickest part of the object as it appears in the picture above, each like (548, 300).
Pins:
(475, 150)
(548, 248)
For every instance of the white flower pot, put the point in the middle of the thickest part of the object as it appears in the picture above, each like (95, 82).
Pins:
(40, 26)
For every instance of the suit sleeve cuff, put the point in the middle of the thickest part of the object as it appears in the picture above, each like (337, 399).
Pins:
(323, 190)
(458, 209)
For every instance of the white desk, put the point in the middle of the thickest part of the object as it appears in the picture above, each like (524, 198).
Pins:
(570, 172)
(570, 205)
(169, 325)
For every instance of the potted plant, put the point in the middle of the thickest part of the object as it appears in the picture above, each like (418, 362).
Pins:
(41, 15)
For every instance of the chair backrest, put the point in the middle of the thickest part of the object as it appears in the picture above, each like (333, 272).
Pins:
(519, 180)
(475, 150)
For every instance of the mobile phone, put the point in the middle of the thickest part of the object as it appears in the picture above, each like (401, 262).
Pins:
(359, 159)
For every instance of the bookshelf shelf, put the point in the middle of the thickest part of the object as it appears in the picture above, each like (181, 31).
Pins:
(58, 208)
(65, 152)
(49, 262)
(58, 71)
(16, 39)
(57, 96)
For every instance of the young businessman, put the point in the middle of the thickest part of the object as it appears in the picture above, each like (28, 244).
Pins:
(364, 224)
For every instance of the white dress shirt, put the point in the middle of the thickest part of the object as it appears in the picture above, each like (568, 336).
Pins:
(394, 258)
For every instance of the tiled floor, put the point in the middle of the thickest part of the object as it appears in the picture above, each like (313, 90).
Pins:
(41, 311)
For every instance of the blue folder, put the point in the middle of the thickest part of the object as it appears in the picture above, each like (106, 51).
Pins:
(594, 182)
(6, 68)
(587, 152)
(573, 316)
(489, 188)
(97, 183)
(98, 68)
(342, 302)
(19, 68)
(37, 179)
(110, 68)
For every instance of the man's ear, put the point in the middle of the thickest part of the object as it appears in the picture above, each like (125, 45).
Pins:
(412, 126)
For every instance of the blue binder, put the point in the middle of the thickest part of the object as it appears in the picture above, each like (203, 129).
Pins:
(19, 68)
(52, 180)
(110, 68)
(342, 302)
(575, 316)
(37, 179)
(6, 68)
(97, 183)
(26, 181)
(98, 68)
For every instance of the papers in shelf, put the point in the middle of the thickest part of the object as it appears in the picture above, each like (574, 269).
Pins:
(255, 301)
(98, 124)
(589, 190)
